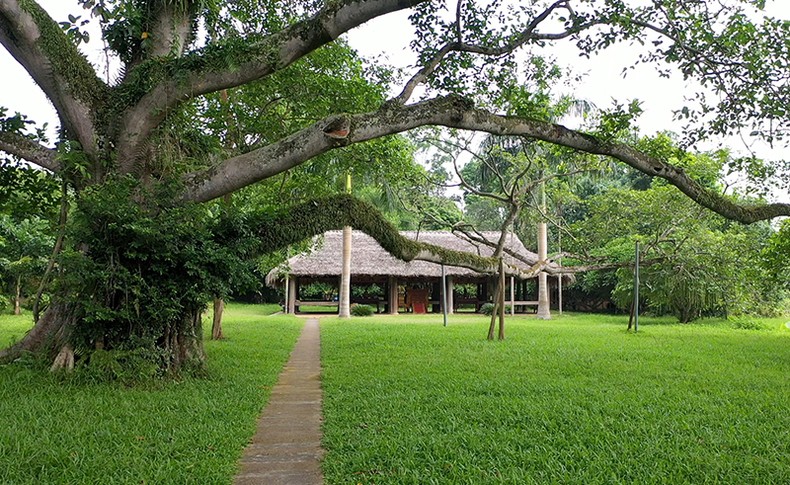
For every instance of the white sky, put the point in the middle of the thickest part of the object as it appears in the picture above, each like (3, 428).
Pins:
(390, 35)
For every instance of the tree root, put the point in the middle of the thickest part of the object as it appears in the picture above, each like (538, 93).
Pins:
(64, 360)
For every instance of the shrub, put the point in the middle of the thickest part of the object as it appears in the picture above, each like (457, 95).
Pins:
(488, 309)
(362, 310)
(127, 367)
(746, 323)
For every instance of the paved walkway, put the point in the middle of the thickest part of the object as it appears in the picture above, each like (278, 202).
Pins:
(286, 448)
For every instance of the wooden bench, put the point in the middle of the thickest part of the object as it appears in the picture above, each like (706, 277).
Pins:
(298, 303)
(522, 303)
(377, 303)
(316, 303)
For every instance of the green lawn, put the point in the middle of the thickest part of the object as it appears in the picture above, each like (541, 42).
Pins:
(572, 400)
(192, 431)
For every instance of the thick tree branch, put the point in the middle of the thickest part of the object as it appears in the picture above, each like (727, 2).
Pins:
(453, 112)
(246, 61)
(55, 64)
(170, 29)
(28, 150)
(295, 224)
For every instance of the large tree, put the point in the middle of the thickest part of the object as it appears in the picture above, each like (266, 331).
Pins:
(144, 254)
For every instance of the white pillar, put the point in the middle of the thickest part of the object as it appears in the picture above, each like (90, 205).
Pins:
(450, 289)
(291, 304)
(559, 293)
(559, 276)
(344, 306)
(286, 295)
(544, 312)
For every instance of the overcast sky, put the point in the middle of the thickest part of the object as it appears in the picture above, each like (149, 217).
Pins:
(390, 35)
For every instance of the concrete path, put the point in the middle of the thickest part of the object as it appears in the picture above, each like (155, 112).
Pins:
(286, 448)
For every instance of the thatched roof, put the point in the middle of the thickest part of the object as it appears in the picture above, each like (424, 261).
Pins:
(370, 260)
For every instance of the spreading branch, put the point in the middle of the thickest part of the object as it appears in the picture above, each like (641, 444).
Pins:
(528, 34)
(36, 41)
(453, 112)
(28, 150)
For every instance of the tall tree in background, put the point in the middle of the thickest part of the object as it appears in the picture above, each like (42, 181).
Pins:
(145, 252)
(25, 247)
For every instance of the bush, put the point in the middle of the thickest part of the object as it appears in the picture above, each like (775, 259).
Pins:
(127, 367)
(745, 323)
(362, 310)
(488, 309)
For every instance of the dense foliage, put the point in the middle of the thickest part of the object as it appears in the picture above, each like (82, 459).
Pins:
(152, 264)
(25, 247)
(695, 263)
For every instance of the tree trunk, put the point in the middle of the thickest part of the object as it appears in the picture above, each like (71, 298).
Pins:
(216, 326)
(64, 360)
(494, 311)
(184, 344)
(18, 296)
(53, 338)
(47, 337)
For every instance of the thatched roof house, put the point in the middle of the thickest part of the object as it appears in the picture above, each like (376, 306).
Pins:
(368, 259)
(370, 263)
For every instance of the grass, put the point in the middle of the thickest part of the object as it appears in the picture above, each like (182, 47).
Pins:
(572, 400)
(13, 328)
(191, 431)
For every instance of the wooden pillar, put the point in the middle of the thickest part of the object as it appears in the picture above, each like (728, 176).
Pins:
(450, 290)
(436, 295)
(392, 282)
(292, 292)
(512, 296)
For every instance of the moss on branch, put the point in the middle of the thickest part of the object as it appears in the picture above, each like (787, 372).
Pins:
(297, 223)
(67, 62)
